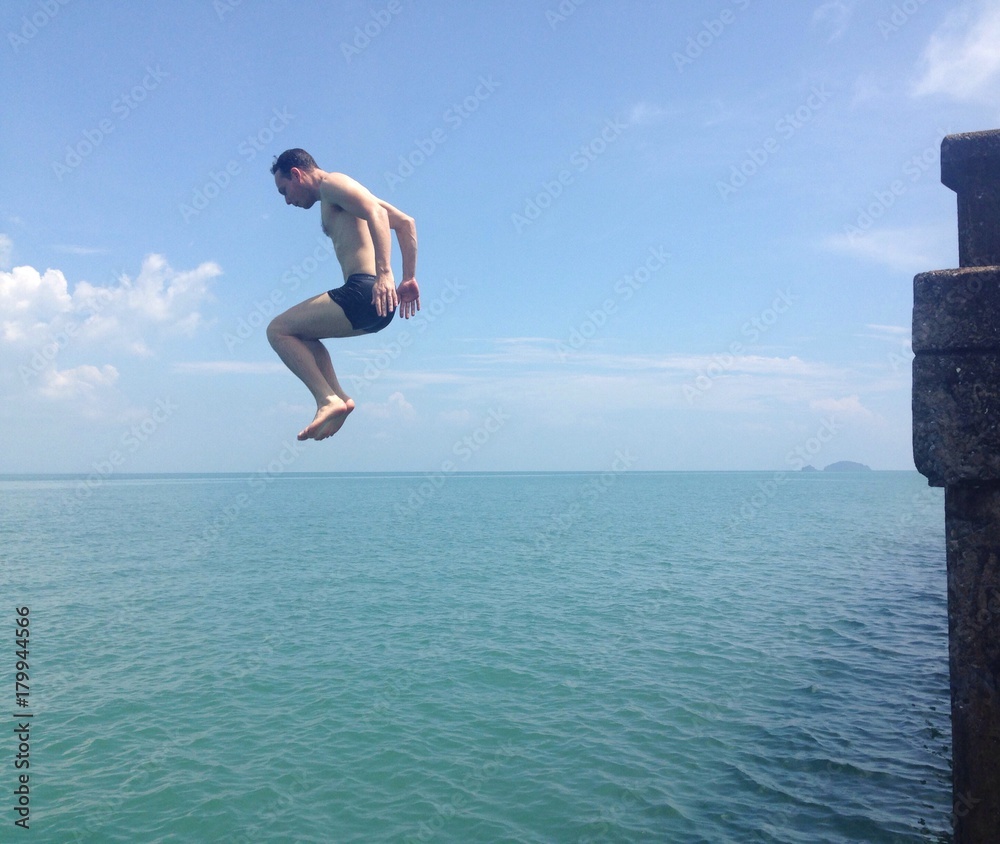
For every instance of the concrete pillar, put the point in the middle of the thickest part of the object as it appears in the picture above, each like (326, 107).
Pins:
(956, 445)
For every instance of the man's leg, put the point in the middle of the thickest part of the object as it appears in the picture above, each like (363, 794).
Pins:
(325, 365)
(295, 336)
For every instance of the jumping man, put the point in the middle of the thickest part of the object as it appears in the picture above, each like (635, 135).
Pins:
(358, 223)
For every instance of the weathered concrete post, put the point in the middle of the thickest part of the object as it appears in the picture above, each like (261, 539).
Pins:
(956, 444)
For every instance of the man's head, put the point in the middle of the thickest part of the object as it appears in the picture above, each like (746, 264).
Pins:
(296, 175)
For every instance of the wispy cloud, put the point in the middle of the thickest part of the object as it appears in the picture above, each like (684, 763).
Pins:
(895, 335)
(6, 250)
(397, 407)
(228, 367)
(849, 407)
(913, 250)
(834, 17)
(962, 60)
(894, 330)
(645, 113)
(80, 382)
(72, 249)
(528, 373)
(543, 353)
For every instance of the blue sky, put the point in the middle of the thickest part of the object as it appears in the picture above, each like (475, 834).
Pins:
(661, 236)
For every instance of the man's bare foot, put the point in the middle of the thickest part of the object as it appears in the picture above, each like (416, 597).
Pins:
(328, 419)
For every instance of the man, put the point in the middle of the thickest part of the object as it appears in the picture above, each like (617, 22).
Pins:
(359, 225)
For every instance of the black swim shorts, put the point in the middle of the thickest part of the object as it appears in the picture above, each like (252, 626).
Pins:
(355, 297)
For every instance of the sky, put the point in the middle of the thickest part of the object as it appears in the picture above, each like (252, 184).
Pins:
(652, 236)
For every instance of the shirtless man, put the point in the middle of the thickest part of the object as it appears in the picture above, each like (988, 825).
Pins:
(358, 223)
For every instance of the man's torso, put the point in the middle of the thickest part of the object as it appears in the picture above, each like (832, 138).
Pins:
(351, 239)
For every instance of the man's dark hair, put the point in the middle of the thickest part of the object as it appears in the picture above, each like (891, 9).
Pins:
(293, 158)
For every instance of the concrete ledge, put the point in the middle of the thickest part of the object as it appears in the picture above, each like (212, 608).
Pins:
(957, 310)
(970, 159)
(956, 417)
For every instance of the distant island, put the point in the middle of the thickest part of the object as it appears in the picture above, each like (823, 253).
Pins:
(841, 466)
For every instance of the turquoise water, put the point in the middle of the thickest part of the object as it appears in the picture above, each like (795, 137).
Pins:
(703, 657)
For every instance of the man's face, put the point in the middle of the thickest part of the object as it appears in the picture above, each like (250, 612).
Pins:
(293, 188)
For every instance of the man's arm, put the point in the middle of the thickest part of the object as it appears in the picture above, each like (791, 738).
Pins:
(356, 199)
(406, 234)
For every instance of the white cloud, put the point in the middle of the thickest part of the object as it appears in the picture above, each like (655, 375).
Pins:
(962, 59)
(166, 297)
(37, 307)
(30, 303)
(80, 382)
(397, 407)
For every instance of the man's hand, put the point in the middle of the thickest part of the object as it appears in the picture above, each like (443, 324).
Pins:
(409, 298)
(384, 295)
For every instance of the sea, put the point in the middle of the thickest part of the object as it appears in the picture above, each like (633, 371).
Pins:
(516, 657)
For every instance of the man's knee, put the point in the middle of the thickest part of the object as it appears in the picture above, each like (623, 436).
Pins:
(275, 329)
